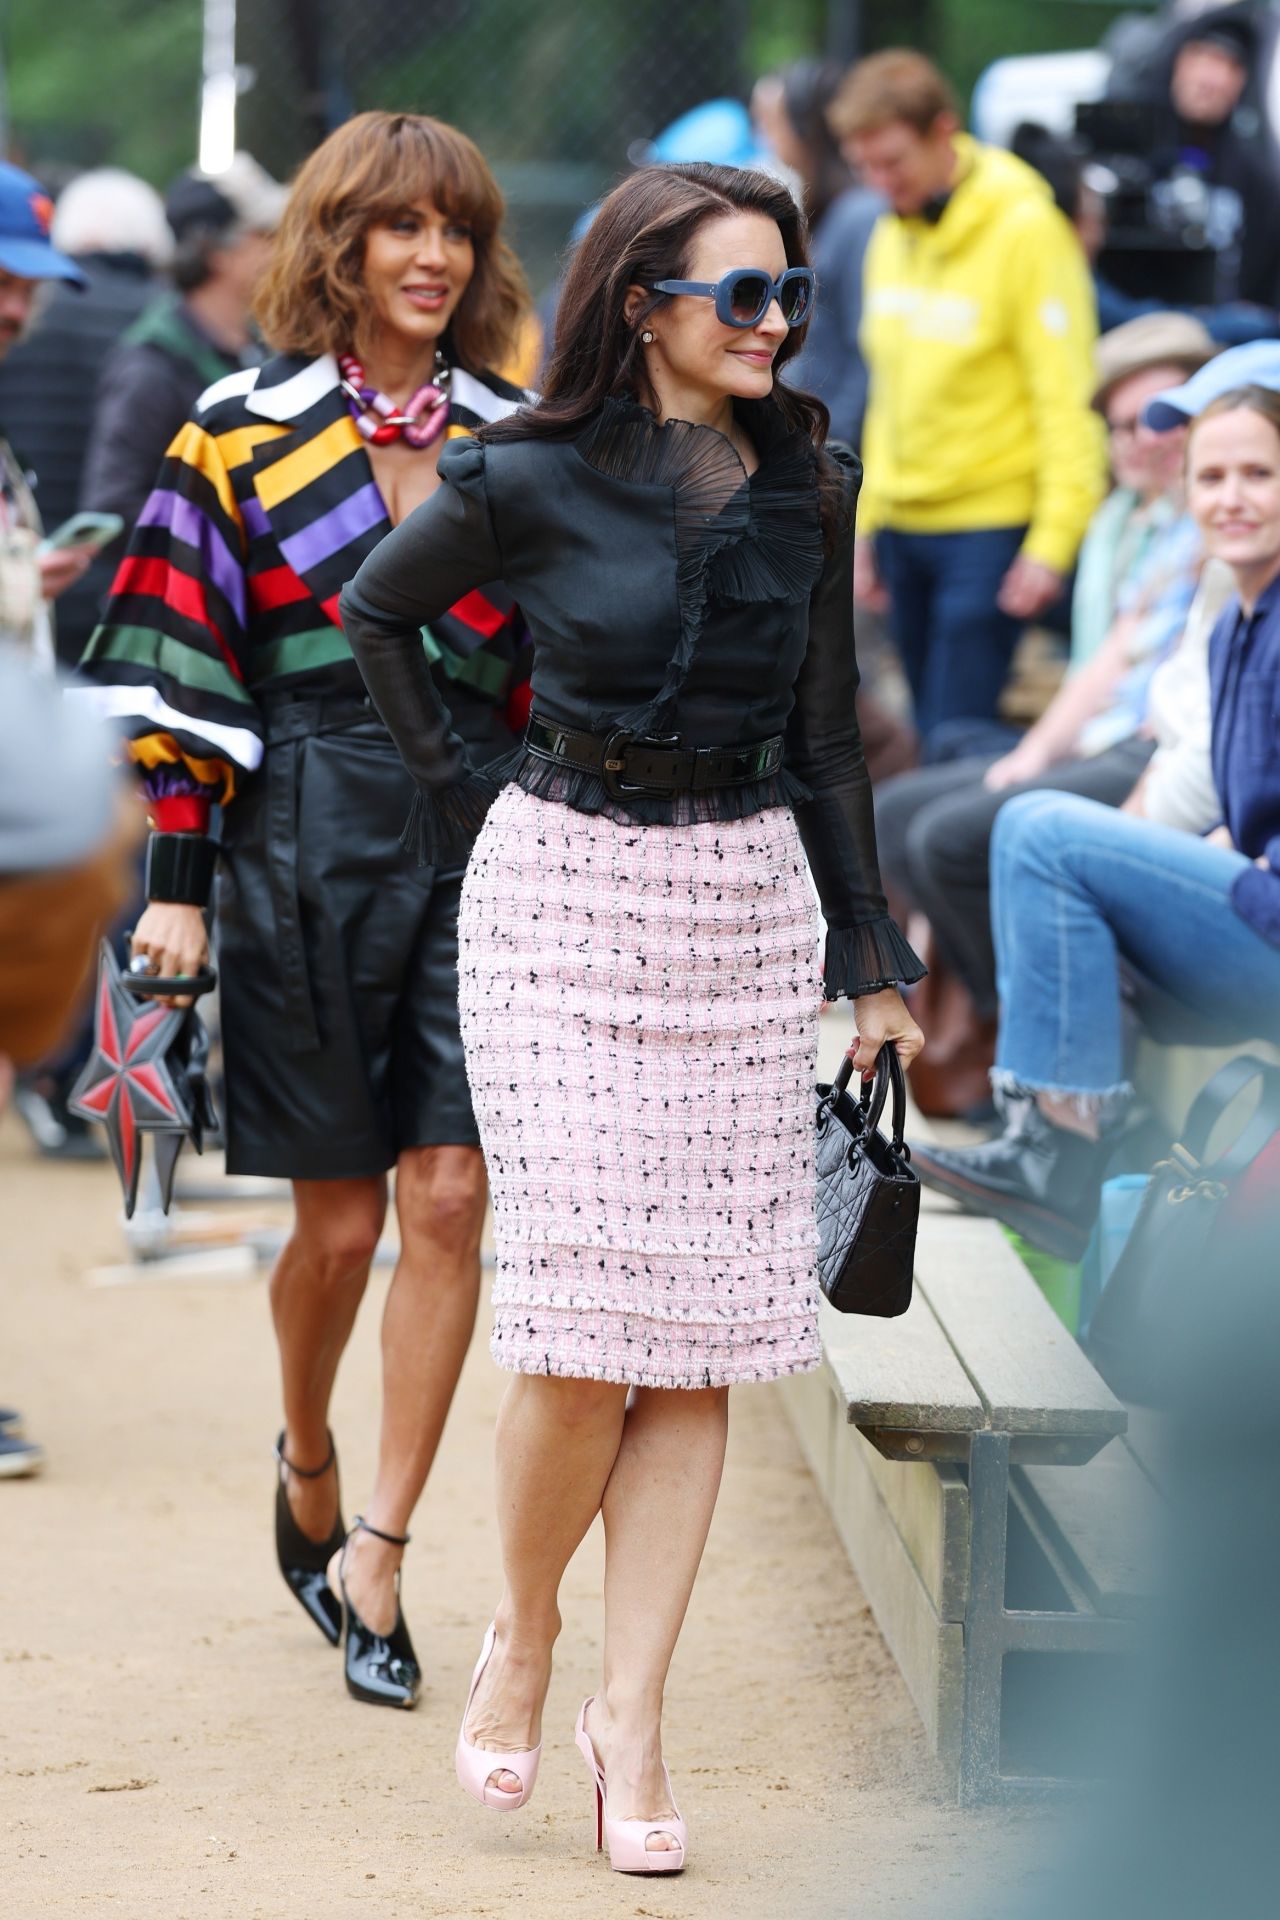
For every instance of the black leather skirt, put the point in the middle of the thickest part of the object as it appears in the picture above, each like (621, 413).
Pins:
(337, 959)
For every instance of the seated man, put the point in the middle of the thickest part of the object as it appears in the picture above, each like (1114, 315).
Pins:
(934, 826)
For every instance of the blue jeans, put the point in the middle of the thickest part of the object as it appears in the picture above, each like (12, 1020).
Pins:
(1076, 888)
(953, 640)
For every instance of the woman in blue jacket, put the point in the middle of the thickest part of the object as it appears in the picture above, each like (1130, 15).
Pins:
(1077, 889)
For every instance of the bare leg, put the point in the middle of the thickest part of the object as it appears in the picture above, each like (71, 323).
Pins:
(557, 1442)
(657, 1510)
(316, 1289)
(426, 1330)
(1073, 1115)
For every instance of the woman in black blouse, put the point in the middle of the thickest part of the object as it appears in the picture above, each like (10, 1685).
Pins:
(639, 987)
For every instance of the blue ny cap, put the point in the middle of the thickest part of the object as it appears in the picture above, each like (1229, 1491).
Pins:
(718, 130)
(1257, 364)
(26, 215)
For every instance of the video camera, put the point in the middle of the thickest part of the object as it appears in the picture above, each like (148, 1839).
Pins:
(1171, 235)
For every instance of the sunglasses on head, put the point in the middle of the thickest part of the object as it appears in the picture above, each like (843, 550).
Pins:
(744, 296)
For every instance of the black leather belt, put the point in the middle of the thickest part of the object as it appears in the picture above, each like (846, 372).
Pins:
(632, 763)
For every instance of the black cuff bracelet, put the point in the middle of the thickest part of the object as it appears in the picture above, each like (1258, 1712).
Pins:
(180, 868)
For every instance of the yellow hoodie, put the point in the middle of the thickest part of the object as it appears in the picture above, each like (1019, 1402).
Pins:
(978, 332)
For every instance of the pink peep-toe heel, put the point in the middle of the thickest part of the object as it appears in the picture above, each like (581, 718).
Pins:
(627, 1850)
(475, 1764)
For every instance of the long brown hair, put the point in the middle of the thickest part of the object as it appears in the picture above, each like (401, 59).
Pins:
(807, 88)
(644, 231)
(312, 299)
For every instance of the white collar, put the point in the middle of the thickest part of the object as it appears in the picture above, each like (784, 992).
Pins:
(303, 389)
(296, 394)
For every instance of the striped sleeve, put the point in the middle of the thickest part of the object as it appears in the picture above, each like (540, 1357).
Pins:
(167, 665)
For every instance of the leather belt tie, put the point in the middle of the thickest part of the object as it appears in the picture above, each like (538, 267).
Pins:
(633, 763)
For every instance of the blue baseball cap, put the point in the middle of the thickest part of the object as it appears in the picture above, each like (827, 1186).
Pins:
(1257, 364)
(718, 130)
(26, 215)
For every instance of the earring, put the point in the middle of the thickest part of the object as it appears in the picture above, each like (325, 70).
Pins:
(647, 338)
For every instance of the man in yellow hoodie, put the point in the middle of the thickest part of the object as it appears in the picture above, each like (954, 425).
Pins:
(983, 459)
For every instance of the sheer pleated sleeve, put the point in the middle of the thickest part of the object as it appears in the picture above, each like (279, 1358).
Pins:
(444, 550)
(865, 949)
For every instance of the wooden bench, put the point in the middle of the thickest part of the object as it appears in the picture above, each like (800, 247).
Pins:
(953, 1447)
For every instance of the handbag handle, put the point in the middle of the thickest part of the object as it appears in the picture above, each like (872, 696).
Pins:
(1212, 1102)
(888, 1074)
(150, 986)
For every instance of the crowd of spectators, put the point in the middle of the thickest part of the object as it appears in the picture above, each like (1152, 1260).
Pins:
(1137, 573)
(1044, 449)
(1080, 890)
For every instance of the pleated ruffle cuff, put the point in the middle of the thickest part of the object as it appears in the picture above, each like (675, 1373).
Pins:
(443, 822)
(868, 958)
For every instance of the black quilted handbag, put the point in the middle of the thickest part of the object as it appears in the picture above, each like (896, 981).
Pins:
(868, 1194)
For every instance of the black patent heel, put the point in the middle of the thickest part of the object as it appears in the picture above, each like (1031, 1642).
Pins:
(380, 1668)
(303, 1561)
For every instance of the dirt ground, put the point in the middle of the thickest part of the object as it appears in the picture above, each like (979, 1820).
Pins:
(175, 1739)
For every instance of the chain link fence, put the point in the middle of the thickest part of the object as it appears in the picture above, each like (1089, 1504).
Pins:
(559, 94)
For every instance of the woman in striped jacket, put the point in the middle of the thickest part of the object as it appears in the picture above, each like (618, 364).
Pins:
(223, 662)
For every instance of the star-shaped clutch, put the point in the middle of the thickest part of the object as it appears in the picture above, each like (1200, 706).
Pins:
(146, 1074)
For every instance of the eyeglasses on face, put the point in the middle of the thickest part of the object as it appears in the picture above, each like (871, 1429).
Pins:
(744, 296)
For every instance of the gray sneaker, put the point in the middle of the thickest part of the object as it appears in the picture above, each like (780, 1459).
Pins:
(58, 1133)
(19, 1457)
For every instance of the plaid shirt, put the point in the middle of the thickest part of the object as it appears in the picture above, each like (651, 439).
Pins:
(1157, 596)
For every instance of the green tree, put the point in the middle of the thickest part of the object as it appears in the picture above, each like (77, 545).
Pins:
(91, 82)
(965, 36)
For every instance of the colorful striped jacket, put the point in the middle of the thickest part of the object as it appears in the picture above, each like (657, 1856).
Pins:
(264, 508)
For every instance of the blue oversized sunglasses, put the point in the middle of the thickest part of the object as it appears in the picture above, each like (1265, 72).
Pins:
(744, 296)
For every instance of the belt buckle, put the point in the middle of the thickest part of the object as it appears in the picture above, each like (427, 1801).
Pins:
(613, 761)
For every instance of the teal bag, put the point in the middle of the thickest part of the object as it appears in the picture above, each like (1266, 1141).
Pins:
(1119, 1208)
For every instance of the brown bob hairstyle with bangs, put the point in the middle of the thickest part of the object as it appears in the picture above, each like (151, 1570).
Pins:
(312, 299)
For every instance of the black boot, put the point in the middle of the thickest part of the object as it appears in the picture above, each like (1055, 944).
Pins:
(1041, 1180)
(303, 1561)
(381, 1668)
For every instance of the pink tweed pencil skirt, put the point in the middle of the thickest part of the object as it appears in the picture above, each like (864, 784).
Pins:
(639, 1013)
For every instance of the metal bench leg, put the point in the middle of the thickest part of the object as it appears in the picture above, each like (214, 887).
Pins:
(985, 1628)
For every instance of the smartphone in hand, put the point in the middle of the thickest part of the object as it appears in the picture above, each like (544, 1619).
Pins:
(93, 530)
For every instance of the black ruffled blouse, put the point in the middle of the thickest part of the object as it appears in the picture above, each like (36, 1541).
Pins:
(667, 592)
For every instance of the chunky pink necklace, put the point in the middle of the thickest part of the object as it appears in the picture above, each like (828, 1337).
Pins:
(377, 417)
